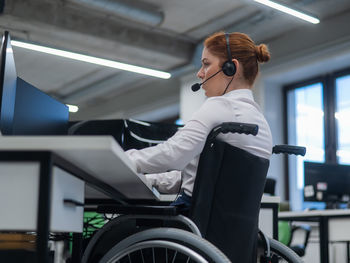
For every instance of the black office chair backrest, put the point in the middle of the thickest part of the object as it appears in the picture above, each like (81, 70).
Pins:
(270, 186)
(226, 198)
(130, 134)
(140, 134)
(114, 128)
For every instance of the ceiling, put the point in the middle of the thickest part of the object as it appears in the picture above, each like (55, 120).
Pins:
(159, 34)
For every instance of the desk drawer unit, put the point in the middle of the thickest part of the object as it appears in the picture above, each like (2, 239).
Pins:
(19, 194)
(339, 229)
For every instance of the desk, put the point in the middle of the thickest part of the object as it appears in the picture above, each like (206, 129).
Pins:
(43, 180)
(268, 216)
(334, 225)
(103, 162)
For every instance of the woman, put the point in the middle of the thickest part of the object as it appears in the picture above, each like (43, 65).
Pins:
(229, 68)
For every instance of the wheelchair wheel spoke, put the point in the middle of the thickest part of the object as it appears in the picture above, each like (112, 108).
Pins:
(188, 259)
(154, 259)
(143, 260)
(129, 258)
(166, 255)
(174, 257)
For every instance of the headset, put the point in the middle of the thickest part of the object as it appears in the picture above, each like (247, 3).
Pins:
(229, 68)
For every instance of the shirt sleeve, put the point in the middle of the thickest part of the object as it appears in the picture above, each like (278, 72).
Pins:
(186, 144)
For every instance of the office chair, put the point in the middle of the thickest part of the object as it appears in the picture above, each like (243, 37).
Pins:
(114, 128)
(299, 249)
(270, 186)
(140, 134)
(130, 134)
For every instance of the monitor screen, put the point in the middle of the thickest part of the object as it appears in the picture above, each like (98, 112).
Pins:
(326, 182)
(8, 77)
(36, 113)
(25, 110)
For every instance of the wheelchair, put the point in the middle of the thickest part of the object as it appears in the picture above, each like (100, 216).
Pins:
(221, 226)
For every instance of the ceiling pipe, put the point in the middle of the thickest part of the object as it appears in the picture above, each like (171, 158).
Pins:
(143, 14)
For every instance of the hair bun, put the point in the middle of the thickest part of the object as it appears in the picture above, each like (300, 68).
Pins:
(262, 53)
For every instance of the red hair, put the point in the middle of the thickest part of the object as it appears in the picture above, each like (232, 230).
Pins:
(242, 48)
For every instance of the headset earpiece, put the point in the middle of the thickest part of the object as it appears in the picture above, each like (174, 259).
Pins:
(229, 68)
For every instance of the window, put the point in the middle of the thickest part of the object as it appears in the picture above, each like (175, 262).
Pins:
(342, 119)
(317, 115)
(305, 127)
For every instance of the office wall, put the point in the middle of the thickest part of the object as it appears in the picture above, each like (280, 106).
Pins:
(189, 101)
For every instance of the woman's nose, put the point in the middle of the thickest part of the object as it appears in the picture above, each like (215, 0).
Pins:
(200, 74)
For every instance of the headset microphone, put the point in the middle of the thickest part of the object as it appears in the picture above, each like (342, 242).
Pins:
(197, 86)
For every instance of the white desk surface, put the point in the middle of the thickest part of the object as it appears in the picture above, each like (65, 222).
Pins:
(99, 156)
(270, 199)
(265, 198)
(313, 213)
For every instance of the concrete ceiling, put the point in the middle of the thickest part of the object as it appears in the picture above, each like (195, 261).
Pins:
(160, 34)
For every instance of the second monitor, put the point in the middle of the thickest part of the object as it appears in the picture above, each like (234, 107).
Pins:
(328, 183)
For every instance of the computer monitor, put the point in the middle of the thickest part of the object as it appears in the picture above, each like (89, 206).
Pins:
(328, 183)
(8, 80)
(26, 110)
(36, 113)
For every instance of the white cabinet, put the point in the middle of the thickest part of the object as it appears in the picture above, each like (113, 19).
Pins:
(19, 198)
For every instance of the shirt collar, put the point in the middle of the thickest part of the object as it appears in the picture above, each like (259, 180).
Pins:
(246, 93)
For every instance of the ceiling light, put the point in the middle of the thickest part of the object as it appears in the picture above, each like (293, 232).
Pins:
(289, 11)
(93, 60)
(72, 108)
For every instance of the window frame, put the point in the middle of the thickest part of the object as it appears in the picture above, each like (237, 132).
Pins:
(329, 107)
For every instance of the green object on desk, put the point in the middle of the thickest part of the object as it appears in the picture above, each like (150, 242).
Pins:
(284, 232)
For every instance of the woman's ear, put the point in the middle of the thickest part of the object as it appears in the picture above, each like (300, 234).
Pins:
(235, 61)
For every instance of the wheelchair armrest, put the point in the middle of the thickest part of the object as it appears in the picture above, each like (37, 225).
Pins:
(289, 149)
(234, 127)
(138, 210)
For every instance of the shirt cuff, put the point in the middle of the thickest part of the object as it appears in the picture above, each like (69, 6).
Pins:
(130, 153)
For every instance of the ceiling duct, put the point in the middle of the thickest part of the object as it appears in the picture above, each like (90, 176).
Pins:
(135, 11)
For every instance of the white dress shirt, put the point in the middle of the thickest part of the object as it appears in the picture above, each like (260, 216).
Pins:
(180, 153)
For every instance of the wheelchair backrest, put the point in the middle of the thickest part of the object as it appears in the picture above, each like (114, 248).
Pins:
(226, 198)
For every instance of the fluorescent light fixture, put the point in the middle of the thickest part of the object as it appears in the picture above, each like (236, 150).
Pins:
(72, 108)
(289, 11)
(93, 60)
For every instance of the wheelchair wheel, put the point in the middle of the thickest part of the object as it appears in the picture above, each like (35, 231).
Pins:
(164, 245)
(281, 253)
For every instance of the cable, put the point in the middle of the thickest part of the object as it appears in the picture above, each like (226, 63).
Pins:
(227, 86)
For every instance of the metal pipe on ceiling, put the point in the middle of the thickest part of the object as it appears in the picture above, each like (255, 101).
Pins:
(130, 10)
